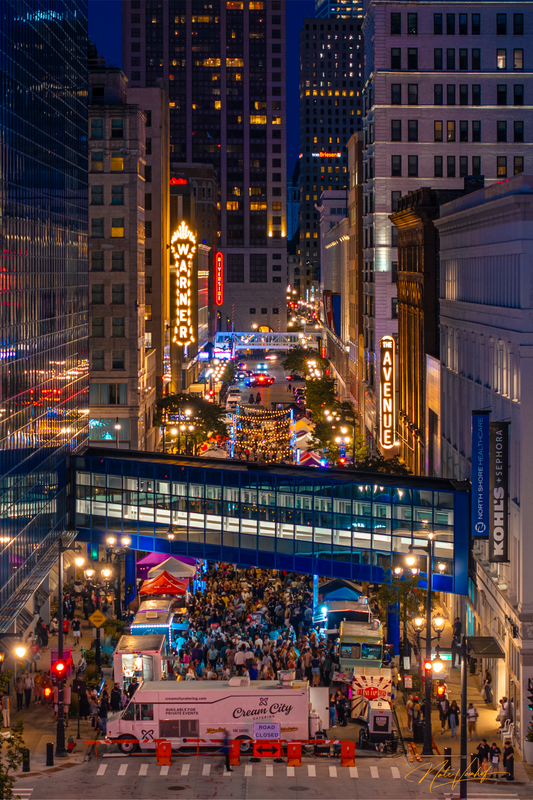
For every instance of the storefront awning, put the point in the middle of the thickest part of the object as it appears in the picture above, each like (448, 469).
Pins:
(484, 647)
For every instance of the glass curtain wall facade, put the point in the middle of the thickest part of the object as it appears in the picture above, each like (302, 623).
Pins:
(283, 518)
(43, 276)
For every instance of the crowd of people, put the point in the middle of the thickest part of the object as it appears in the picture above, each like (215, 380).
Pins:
(254, 623)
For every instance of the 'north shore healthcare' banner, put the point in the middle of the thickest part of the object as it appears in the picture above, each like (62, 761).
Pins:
(499, 492)
(480, 474)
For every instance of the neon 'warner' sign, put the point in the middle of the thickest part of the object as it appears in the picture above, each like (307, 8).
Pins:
(183, 246)
(387, 392)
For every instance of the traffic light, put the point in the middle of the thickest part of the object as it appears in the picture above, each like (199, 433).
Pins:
(60, 669)
(47, 692)
(441, 691)
(342, 461)
(428, 666)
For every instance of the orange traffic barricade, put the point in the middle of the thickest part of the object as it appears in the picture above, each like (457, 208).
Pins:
(163, 751)
(235, 753)
(294, 754)
(347, 754)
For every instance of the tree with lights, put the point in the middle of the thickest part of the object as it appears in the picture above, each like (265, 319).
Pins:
(204, 422)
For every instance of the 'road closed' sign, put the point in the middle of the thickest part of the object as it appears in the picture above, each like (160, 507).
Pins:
(267, 730)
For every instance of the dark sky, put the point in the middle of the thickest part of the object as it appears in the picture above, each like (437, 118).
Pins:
(105, 29)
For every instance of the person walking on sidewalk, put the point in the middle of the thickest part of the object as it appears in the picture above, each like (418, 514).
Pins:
(444, 707)
(453, 717)
(28, 686)
(471, 718)
(495, 755)
(76, 630)
(225, 750)
(409, 709)
(487, 688)
(19, 691)
(6, 710)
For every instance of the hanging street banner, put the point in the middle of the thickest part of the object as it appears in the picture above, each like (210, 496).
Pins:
(480, 474)
(499, 492)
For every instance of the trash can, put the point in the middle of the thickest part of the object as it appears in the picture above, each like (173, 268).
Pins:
(418, 732)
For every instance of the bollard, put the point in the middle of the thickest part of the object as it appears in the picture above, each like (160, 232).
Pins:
(294, 754)
(25, 760)
(473, 763)
(347, 754)
(447, 758)
(50, 754)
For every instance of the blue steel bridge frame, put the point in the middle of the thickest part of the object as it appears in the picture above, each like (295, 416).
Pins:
(329, 522)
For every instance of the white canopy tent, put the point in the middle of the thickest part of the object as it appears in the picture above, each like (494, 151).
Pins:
(174, 567)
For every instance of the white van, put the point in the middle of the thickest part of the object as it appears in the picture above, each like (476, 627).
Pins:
(233, 398)
(204, 710)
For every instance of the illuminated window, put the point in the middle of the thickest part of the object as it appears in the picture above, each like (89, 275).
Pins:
(117, 228)
(147, 312)
(211, 62)
(235, 62)
(117, 162)
(258, 206)
(276, 206)
(253, 190)
(97, 161)
(218, 105)
(232, 205)
(276, 120)
(256, 5)
(258, 119)
(259, 105)
(501, 59)
(234, 5)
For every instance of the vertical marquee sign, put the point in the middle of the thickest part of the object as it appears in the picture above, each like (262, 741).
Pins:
(183, 246)
(219, 279)
(480, 473)
(499, 492)
(387, 392)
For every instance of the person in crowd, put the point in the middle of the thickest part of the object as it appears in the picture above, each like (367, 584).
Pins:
(508, 760)
(503, 714)
(487, 687)
(19, 691)
(76, 630)
(453, 717)
(495, 757)
(471, 719)
(483, 753)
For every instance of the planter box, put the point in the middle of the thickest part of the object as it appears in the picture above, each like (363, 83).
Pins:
(528, 752)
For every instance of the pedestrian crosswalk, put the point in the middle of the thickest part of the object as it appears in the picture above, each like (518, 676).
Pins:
(211, 769)
(22, 793)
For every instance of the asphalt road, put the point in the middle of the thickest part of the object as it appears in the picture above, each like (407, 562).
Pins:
(277, 393)
(205, 777)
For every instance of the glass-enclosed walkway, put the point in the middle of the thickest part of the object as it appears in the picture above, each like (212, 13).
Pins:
(326, 522)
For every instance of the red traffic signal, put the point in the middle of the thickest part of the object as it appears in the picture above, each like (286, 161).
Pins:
(47, 691)
(441, 691)
(60, 669)
(428, 666)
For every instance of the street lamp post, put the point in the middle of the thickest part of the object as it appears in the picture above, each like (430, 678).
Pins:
(125, 542)
(463, 781)
(427, 749)
(60, 731)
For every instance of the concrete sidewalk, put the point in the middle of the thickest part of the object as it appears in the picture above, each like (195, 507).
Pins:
(487, 726)
(38, 719)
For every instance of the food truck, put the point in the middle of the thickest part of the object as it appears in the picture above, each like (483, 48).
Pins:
(161, 615)
(140, 657)
(361, 645)
(204, 710)
(332, 613)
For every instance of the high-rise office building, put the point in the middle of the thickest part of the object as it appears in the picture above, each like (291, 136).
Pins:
(44, 277)
(445, 96)
(224, 62)
(123, 369)
(342, 9)
(330, 112)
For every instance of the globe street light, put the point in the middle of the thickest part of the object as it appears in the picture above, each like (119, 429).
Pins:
(79, 561)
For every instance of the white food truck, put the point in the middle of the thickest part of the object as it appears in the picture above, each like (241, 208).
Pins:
(204, 710)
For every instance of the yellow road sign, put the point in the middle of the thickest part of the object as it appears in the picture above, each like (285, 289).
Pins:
(97, 618)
